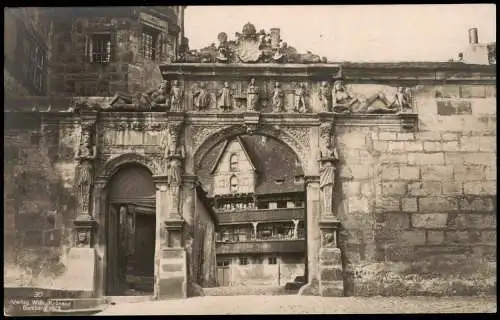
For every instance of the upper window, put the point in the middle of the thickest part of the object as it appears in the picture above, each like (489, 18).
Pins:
(149, 43)
(234, 184)
(233, 162)
(100, 48)
(243, 261)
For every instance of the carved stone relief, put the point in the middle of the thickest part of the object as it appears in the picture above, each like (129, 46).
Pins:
(329, 238)
(328, 160)
(250, 46)
(278, 99)
(300, 99)
(84, 173)
(252, 96)
(201, 98)
(225, 98)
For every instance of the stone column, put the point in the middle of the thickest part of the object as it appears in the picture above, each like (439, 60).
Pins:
(190, 237)
(99, 213)
(295, 228)
(330, 262)
(171, 278)
(170, 255)
(255, 224)
(313, 236)
(82, 259)
(331, 282)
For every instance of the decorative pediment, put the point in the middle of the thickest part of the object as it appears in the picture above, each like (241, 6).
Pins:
(250, 46)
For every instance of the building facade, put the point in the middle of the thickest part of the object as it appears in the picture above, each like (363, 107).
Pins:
(256, 185)
(397, 177)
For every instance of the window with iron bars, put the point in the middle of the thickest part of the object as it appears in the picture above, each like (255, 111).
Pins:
(100, 48)
(149, 43)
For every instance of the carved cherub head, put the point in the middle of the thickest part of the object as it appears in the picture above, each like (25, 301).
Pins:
(82, 237)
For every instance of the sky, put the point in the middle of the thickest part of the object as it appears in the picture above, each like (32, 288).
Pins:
(353, 32)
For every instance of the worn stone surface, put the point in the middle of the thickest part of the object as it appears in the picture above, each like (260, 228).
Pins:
(414, 202)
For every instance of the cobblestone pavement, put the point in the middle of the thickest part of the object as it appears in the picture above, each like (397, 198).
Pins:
(294, 304)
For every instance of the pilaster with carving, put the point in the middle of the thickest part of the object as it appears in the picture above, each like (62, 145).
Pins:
(328, 162)
(84, 222)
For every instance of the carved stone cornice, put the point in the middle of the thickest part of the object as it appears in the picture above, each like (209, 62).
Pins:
(398, 74)
(160, 180)
(280, 72)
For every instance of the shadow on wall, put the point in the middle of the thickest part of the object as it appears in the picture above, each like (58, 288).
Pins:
(38, 215)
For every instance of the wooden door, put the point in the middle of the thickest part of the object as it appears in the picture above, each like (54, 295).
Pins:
(112, 252)
(223, 273)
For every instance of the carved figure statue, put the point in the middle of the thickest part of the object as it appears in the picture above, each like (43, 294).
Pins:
(341, 99)
(325, 96)
(328, 156)
(402, 99)
(252, 96)
(223, 49)
(224, 97)
(300, 99)
(84, 169)
(176, 97)
(157, 96)
(86, 150)
(326, 183)
(202, 98)
(175, 172)
(278, 98)
(83, 183)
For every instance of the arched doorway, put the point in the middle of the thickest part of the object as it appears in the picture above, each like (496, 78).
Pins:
(256, 184)
(130, 231)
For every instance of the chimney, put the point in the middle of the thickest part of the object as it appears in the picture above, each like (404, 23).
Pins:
(473, 38)
(275, 38)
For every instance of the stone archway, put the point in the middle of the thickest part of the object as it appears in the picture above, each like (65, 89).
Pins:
(130, 231)
(207, 139)
(128, 221)
(215, 140)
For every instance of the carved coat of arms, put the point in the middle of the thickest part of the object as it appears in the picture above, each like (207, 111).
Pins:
(248, 49)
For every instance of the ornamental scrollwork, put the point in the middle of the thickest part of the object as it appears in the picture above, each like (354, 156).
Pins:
(300, 134)
(200, 134)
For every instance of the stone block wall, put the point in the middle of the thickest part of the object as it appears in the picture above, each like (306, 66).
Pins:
(127, 71)
(38, 201)
(419, 209)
